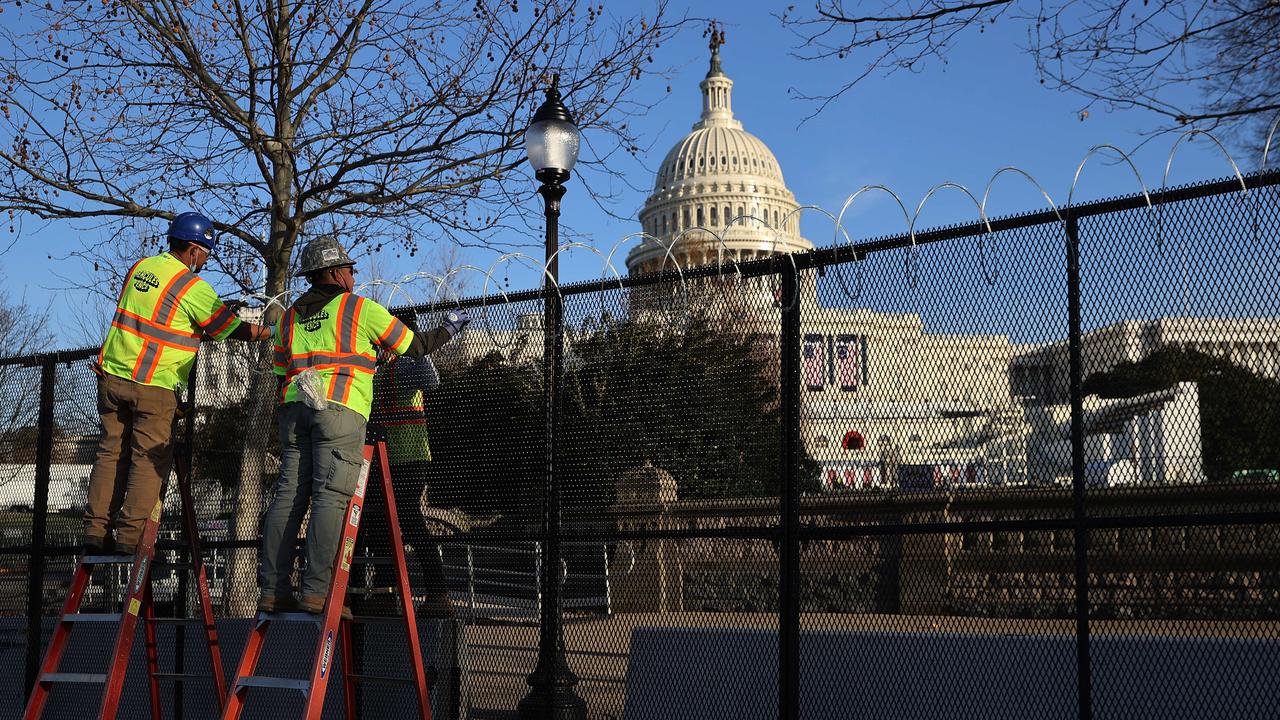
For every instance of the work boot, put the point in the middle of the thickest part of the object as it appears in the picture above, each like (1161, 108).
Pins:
(95, 545)
(314, 604)
(268, 603)
(436, 605)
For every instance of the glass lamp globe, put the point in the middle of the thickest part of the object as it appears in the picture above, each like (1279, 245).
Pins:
(552, 140)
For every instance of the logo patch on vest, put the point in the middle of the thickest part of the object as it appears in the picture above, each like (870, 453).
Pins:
(312, 324)
(143, 281)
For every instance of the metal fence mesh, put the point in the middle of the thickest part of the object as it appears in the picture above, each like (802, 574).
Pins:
(978, 530)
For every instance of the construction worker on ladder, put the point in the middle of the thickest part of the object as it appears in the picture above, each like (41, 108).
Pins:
(325, 356)
(400, 388)
(163, 312)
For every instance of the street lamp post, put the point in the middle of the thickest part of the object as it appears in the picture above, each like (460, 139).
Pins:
(552, 145)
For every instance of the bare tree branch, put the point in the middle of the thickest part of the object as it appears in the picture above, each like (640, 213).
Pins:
(1213, 64)
(381, 120)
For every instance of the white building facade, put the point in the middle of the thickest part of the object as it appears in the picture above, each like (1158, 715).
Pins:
(887, 404)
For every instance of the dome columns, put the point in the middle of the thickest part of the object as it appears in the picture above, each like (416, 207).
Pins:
(723, 179)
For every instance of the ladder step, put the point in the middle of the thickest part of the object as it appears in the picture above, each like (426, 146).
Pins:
(178, 620)
(369, 619)
(360, 677)
(73, 678)
(372, 560)
(91, 617)
(273, 682)
(107, 560)
(291, 617)
(180, 676)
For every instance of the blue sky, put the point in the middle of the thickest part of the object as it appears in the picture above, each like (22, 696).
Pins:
(957, 122)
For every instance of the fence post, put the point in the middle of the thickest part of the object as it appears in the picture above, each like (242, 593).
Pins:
(789, 492)
(39, 519)
(1081, 531)
(180, 631)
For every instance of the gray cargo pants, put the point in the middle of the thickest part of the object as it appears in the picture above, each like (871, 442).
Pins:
(322, 452)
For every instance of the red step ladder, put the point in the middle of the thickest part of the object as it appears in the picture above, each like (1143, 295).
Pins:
(333, 629)
(137, 602)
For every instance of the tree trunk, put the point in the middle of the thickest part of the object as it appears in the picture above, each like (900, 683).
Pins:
(257, 465)
(240, 593)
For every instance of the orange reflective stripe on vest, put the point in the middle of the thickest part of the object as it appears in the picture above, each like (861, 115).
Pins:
(154, 332)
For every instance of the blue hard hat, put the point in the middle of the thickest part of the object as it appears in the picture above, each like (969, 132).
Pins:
(194, 227)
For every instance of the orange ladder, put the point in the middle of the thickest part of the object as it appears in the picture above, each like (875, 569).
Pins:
(333, 629)
(137, 602)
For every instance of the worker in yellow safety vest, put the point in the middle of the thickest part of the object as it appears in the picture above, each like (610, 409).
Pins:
(399, 407)
(164, 311)
(326, 348)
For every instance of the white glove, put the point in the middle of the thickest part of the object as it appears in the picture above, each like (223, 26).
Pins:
(455, 320)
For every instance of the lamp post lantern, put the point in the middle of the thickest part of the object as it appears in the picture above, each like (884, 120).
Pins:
(552, 142)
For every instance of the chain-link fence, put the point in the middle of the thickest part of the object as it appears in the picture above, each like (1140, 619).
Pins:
(1027, 468)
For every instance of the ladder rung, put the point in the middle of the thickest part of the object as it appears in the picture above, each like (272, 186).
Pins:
(273, 682)
(376, 618)
(291, 616)
(180, 676)
(388, 590)
(359, 677)
(74, 677)
(107, 560)
(91, 617)
(178, 620)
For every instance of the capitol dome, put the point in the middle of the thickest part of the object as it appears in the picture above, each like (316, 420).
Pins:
(719, 179)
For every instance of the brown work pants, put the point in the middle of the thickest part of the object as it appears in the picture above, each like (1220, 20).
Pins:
(134, 457)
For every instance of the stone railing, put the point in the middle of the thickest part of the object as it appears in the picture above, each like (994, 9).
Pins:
(1226, 571)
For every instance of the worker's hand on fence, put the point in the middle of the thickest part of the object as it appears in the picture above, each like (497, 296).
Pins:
(455, 320)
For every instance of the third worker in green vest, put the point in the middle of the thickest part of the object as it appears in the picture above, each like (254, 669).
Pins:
(400, 390)
(325, 355)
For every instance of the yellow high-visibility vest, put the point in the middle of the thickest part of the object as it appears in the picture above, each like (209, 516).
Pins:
(340, 342)
(401, 412)
(163, 310)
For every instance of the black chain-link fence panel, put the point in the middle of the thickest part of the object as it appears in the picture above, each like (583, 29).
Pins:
(940, 477)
